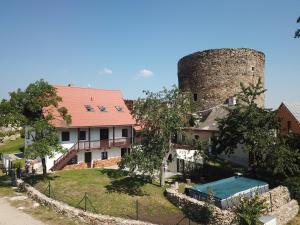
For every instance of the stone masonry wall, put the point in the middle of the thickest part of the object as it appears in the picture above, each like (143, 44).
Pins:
(194, 206)
(71, 212)
(96, 164)
(106, 162)
(78, 166)
(283, 207)
(215, 75)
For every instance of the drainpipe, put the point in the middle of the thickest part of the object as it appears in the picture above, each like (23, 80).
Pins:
(113, 136)
(78, 133)
(89, 138)
(131, 134)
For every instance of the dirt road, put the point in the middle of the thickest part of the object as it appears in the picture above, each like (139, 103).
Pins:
(10, 215)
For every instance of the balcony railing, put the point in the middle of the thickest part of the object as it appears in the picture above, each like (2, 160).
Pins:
(103, 144)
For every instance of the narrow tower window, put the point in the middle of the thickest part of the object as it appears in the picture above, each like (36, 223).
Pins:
(195, 97)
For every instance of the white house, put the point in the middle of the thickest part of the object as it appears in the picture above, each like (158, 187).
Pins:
(100, 133)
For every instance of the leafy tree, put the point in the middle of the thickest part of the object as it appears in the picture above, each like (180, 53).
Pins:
(254, 129)
(248, 126)
(35, 107)
(297, 33)
(161, 115)
(284, 160)
(249, 210)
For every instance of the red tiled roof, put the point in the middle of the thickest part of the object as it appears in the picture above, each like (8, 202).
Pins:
(75, 99)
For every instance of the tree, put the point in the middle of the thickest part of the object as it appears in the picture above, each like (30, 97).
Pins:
(248, 126)
(285, 159)
(297, 33)
(161, 115)
(248, 211)
(35, 107)
(254, 129)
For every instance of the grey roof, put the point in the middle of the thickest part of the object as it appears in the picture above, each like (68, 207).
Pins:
(294, 108)
(209, 118)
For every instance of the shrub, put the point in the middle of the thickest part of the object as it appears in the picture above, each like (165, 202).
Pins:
(293, 184)
(18, 163)
(249, 210)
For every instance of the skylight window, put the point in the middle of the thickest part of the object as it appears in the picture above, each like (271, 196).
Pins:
(102, 108)
(119, 108)
(89, 108)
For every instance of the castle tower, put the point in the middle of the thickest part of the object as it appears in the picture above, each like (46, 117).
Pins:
(215, 75)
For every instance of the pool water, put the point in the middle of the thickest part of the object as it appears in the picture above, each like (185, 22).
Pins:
(228, 187)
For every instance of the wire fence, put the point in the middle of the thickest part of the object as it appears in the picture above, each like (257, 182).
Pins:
(89, 201)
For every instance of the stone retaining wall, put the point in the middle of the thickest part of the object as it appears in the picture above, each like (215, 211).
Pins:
(78, 166)
(194, 206)
(106, 162)
(279, 197)
(72, 212)
(283, 207)
(286, 212)
(98, 163)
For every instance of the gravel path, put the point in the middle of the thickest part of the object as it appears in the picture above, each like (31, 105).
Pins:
(10, 215)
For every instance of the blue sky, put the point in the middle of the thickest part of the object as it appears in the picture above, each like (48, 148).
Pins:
(135, 45)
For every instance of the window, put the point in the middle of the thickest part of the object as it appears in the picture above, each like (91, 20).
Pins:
(289, 126)
(82, 135)
(89, 108)
(103, 155)
(124, 132)
(195, 97)
(253, 68)
(65, 136)
(119, 108)
(196, 137)
(102, 108)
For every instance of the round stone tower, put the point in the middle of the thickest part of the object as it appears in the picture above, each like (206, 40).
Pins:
(215, 75)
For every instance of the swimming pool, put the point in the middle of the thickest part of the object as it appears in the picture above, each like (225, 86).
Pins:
(226, 190)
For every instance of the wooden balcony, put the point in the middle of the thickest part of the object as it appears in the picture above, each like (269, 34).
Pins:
(103, 144)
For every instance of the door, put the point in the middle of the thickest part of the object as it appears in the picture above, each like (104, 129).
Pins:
(104, 136)
(88, 158)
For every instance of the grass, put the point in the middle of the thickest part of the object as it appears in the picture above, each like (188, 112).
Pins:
(113, 193)
(12, 146)
(5, 186)
(48, 216)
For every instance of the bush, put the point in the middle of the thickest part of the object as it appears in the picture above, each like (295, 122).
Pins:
(18, 163)
(293, 184)
(249, 210)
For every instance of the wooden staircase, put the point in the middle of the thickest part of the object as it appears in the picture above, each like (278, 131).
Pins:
(65, 158)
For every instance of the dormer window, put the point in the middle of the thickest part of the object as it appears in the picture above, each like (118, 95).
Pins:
(89, 108)
(119, 108)
(102, 108)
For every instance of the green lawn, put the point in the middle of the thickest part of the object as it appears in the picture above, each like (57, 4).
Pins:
(113, 193)
(12, 146)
